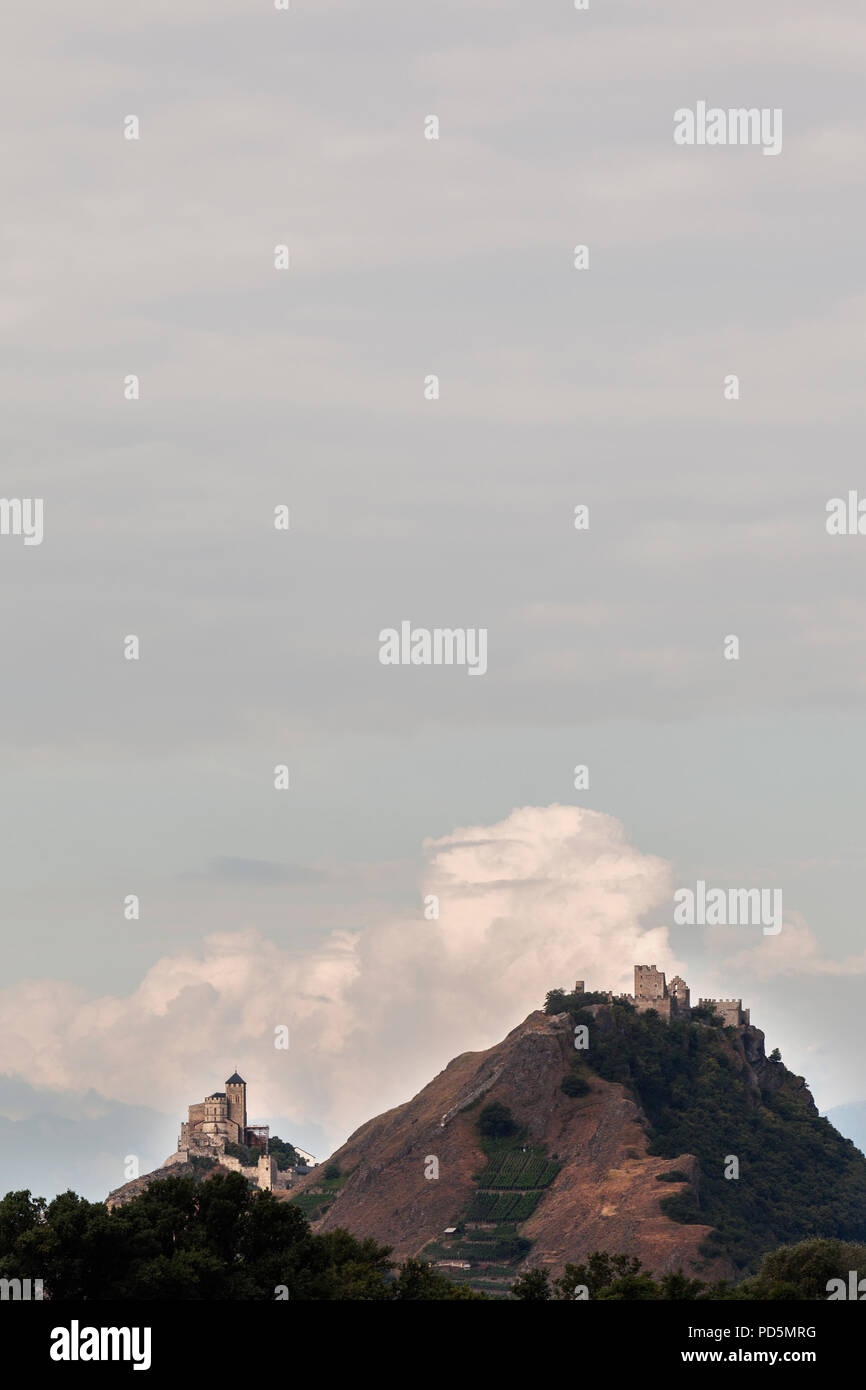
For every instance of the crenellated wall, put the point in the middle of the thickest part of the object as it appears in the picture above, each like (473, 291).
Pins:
(672, 1001)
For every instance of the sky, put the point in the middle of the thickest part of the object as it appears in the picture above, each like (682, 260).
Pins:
(559, 387)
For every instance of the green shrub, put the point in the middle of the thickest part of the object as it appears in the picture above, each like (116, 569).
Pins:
(248, 1157)
(285, 1154)
(496, 1121)
(574, 1085)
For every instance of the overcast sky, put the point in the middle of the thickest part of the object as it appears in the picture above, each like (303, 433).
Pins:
(258, 647)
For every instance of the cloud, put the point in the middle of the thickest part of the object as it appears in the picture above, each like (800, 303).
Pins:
(225, 868)
(795, 951)
(545, 895)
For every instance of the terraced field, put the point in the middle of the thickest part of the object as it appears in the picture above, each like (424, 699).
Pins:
(509, 1189)
(524, 1169)
(502, 1206)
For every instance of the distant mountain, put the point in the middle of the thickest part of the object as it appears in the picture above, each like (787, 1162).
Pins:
(534, 1154)
(51, 1140)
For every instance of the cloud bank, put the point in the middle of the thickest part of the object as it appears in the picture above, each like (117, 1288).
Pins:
(532, 902)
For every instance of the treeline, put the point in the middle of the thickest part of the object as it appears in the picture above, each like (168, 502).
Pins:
(806, 1272)
(180, 1239)
(219, 1239)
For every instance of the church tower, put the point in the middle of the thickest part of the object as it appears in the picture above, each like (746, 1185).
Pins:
(236, 1095)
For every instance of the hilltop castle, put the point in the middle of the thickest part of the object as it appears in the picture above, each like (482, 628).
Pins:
(213, 1123)
(219, 1119)
(673, 1000)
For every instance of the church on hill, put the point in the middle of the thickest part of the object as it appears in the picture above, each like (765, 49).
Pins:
(220, 1119)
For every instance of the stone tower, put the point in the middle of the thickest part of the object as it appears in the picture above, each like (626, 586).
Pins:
(649, 983)
(236, 1096)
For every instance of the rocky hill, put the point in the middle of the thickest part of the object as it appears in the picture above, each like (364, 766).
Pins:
(632, 1157)
(200, 1170)
(605, 1195)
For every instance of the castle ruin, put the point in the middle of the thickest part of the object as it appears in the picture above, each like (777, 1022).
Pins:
(732, 1011)
(651, 991)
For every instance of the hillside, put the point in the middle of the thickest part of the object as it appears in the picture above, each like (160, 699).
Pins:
(199, 1169)
(713, 1092)
(605, 1194)
(632, 1161)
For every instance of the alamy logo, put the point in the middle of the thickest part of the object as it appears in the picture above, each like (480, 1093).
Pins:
(20, 1290)
(846, 517)
(76, 1343)
(738, 126)
(738, 907)
(856, 1289)
(22, 516)
(439, 646)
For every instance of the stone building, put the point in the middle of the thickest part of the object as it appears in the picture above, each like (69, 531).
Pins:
(219, 1119)
(680, 993)
(731, 1010)
(651, 991)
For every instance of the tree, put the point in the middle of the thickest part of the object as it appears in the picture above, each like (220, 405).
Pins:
(417, 1280)
(599, 1273)
(556, 1001)
(676, 1286)
(181, 1239)
(496, 1121)
(533, 1286)
(19, 1212)
(802, 1271)
(573, 1084)
(286, 1154)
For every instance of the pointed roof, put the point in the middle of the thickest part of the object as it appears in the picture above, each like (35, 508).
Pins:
(235, 1080)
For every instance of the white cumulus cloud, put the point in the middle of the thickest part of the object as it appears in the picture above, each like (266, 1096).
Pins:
(532, 902)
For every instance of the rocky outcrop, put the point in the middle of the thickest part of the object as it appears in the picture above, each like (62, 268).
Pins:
(605, 1196)
(131, 1189)
(766, 1077)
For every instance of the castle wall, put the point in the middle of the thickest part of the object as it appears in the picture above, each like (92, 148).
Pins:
(673, 1001)
(263, 1174)
(180, 1157)
(731, 1010)
(661, 1006)
(236, 1166)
